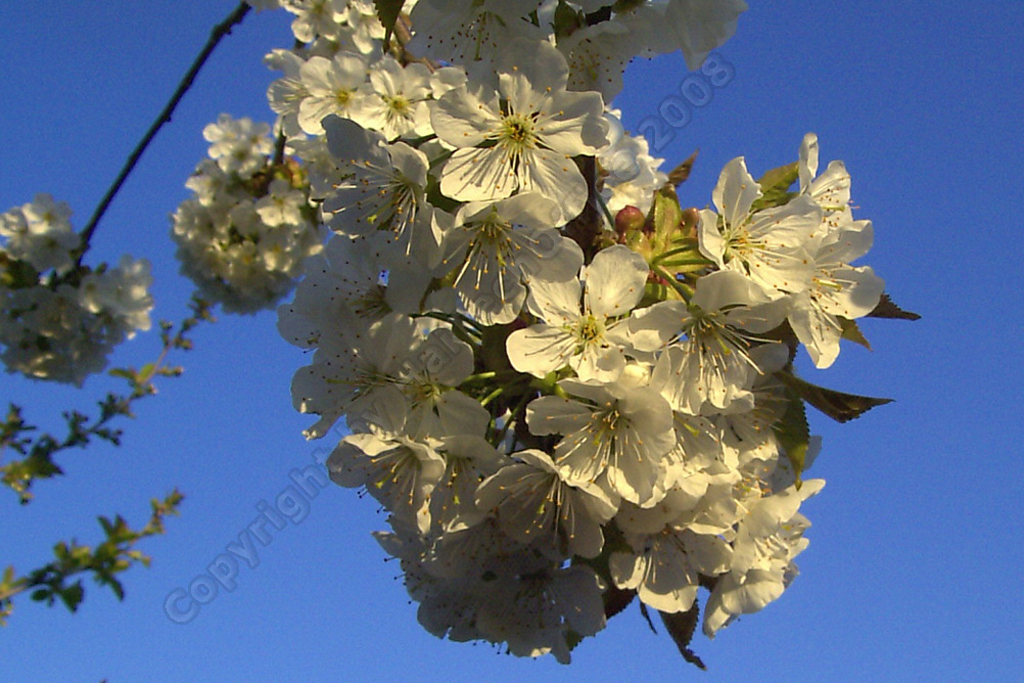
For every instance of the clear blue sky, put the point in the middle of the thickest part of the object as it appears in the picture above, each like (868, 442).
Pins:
(915, 566)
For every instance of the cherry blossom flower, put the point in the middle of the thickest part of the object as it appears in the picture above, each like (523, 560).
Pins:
(523, 137)
(592, 337)
(769, 246)
(499, 247)
(838, 291)
(767, 540)
(665, 568)
(615, 430)
(533, 504)
(382, 190)
(329, 86)
(710, 361)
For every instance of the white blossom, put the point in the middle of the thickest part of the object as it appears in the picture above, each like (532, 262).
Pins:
(534, 504)
(499, 247)
(709, 358)
(616, 430)
(767, 540)
(382, 190)
(238, 145)
(328, 86)
(40, 233)
(769, 246)
(396, 101)
(665, 568)
(589, 336)
(532, 127)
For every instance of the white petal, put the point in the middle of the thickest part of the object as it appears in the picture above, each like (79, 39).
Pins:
(540, 349)
(461, 119)
(735, 192)
(615, 281)
(555, 415)
(557, 303)
(478, 174)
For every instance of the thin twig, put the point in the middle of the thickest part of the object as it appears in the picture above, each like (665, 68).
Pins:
(219, 31)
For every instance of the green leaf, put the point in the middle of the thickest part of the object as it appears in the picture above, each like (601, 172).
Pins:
(567, 20)
(145, 373)
(126, 373)
(572, 639)
(775, 186)
(17, 274)
(72, 596)
(666, 218)
(851, 332)
(387, 12)
(793, 433)
(680, 173)
(887, 309)
(681, 625)
(617, 599)
(61, 551)
(840, 406)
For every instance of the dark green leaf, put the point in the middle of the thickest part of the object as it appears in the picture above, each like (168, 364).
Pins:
(793, 433)
(567, 20)
(840, 406)
(851, 332)
(387, 12)
(572, 639)
(681, 625)
(617, 599)
(647, 615)
(72, 596)
(887, 309)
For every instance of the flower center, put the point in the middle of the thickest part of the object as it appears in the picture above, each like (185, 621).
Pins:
(398, 106)
(517, 135)
(492, 235)
(372, 304)
(589, 330)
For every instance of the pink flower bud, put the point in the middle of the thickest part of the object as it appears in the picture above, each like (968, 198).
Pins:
(629, 219)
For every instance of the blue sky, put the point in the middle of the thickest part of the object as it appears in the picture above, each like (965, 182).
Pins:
(914, 569)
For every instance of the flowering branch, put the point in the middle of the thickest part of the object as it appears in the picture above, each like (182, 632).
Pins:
(603, 407)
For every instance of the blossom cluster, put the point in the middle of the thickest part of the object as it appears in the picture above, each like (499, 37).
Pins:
(245, 233)
(60, 319)
(566, 390)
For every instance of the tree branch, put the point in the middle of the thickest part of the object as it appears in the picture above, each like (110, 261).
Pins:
(219, 31)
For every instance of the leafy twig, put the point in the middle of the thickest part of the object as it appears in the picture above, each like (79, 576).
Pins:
(38, 452)
(111, 557)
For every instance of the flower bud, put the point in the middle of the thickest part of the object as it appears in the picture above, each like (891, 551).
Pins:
(629, 219)
(690, 218)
